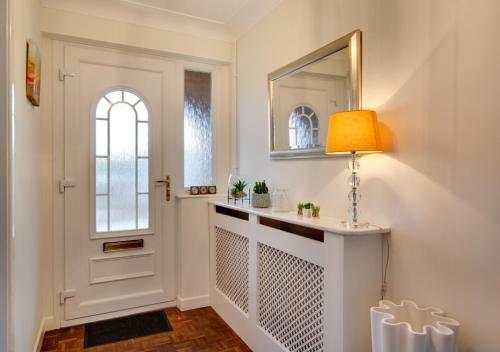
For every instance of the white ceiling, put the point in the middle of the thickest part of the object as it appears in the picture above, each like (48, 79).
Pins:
(216, 19)
(217, 11)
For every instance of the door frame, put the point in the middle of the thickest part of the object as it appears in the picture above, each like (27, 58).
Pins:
(53, 51)
(162, 219)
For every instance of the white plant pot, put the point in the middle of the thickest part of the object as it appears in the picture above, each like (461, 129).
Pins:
(307, 213)
(406, 327)
(261, 200)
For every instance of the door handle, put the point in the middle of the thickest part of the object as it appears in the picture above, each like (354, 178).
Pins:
(165, 182)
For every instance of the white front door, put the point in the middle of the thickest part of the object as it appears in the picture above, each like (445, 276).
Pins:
(116, 118)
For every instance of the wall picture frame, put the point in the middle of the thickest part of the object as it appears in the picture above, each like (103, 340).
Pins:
(33, 72)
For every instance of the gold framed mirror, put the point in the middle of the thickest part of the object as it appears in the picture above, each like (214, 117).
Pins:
(304, 93)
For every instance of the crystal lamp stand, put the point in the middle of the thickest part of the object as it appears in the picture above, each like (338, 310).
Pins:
(354, 195)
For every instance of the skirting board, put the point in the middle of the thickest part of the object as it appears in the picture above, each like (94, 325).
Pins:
(118, 314)
(44, 325)
(193, 302)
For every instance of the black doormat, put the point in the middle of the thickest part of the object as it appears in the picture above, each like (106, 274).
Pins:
(114, 330)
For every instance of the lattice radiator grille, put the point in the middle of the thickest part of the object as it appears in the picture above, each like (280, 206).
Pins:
(231, 268)
(291, 300)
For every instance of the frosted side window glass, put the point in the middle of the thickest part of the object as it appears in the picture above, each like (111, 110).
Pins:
(197, 129)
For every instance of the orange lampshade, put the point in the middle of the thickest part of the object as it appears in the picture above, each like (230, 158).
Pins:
(353, 131)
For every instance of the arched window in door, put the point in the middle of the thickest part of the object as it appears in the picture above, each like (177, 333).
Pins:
(121, 162)
(303, 128)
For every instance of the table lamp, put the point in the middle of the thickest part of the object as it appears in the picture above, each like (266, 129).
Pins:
(353, 132)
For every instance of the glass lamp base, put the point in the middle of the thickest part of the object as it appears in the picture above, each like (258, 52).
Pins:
(355, 225)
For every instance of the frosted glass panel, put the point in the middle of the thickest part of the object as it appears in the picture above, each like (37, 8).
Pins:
(101, 138)
(122, 163)
(101, 211)
(142, 112)
(315, 121)
(292, 137)
(143, 176)
(316, 137)
(122, 168)
(130, 98)
(303, 132)
(197, 129)
(102, 109)
(143, 211)
(115, 96)
(303, 125)
(142, 139)
(101, 175)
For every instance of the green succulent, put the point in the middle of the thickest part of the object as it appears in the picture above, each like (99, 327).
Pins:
(238, 187)
(300, 208)
(308, 206)
(260, 188)
(315, 211)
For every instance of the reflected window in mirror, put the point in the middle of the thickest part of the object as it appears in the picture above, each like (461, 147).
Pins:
(303, 128)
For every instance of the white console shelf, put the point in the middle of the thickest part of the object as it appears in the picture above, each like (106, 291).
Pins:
(288, 283)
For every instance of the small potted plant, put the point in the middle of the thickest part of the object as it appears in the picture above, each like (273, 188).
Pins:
(300, 209)
(315, 211)
(307, 211)
(238, 189)
(260, 195)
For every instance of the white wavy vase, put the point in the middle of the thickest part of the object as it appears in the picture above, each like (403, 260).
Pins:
(407, 328)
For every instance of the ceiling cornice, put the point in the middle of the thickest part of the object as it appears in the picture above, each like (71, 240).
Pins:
(132, 12)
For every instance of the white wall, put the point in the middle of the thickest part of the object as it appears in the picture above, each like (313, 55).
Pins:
(193, 251)
(27, 186)
(4, 174)
(431, 70)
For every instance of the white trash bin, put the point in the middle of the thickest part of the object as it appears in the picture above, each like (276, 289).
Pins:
(408, 328)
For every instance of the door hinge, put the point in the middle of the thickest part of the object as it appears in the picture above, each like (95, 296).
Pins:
(66, 294)
(63, 73)
(66, 183)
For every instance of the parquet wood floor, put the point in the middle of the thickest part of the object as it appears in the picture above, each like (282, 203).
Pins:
(197, 330)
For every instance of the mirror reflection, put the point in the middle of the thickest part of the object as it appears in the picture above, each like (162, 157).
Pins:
(304, 100)
(306, 92)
